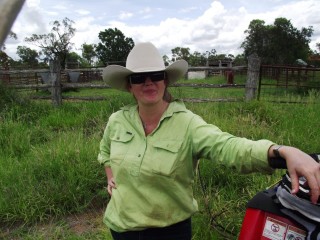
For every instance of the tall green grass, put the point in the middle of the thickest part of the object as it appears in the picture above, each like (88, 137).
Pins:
(227, 192)
(49, 169)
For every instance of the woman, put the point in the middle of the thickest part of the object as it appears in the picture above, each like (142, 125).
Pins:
(150, 150)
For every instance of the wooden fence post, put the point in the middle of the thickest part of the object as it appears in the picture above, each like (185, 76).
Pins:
(55, 77)
(254, 63)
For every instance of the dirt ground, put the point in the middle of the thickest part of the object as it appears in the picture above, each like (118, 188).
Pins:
(85, 222)
(78, 224)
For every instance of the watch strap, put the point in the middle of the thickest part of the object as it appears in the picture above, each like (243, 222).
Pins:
(276, 150)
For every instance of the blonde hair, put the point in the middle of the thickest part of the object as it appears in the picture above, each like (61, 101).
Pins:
(167, 96)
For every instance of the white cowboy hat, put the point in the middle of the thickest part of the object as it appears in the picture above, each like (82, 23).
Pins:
(144, 57)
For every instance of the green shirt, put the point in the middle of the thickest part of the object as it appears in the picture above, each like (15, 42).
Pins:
(154, 174)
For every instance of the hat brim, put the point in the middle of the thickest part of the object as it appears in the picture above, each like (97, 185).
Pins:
(116, 76)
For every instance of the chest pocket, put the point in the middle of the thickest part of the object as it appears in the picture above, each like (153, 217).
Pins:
(166, 157)
(120, 142)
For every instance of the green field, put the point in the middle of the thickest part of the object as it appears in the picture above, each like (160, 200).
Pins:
(49, 173)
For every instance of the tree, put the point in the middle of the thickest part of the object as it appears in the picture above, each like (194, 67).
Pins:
(211, 55)
(256, 39)
(166, 60)
(197, 59)
(28, 56)
(4, 61)
(239, 60)
(288, 42)
(88, 53)
(180, 53)
(318, 46)
(280, 43)
(73, 60)
(4, 58)
(10, 35)
(57, 43)
(114, 46)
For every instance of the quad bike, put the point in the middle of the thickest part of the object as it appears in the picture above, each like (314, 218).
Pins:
(275, 214)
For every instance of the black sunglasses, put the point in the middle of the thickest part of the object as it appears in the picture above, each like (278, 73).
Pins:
(139, 78)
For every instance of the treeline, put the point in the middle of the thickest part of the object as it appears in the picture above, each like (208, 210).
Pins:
(278, 43)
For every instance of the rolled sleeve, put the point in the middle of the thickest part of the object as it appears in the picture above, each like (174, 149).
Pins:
(104, 152)
(259, 155)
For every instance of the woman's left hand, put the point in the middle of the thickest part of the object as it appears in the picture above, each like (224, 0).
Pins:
(301, 164)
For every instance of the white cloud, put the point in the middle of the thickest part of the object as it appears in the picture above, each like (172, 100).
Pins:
(220, 25)
(146, 10)
(125, 15)
(187, 10)
(145, 13)
(60, 7)
(84, 24)
(82, 12)
(32, 3)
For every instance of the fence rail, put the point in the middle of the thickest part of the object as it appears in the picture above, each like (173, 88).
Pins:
(259, 80)
(44, 79)
(84, 75)
(276, 80)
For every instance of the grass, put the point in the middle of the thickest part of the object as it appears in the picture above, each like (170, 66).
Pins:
(49, 170)
(179, 92)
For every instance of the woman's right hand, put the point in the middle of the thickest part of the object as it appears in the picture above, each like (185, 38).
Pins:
(111, 185)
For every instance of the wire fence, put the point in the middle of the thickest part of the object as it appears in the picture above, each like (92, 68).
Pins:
(275, 83)
(287, 83)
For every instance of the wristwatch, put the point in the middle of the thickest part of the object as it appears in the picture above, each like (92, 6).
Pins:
(276, 150)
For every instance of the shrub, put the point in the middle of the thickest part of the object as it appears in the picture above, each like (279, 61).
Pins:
(9, 97)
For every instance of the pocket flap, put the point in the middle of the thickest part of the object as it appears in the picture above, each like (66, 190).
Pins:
(122, 136)
(169, 145)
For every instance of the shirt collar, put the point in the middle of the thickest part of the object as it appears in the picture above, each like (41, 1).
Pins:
(174, 107)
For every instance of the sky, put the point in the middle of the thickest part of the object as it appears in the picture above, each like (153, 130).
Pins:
(200, 25)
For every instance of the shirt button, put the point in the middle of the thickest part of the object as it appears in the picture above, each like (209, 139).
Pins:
(139, 155)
